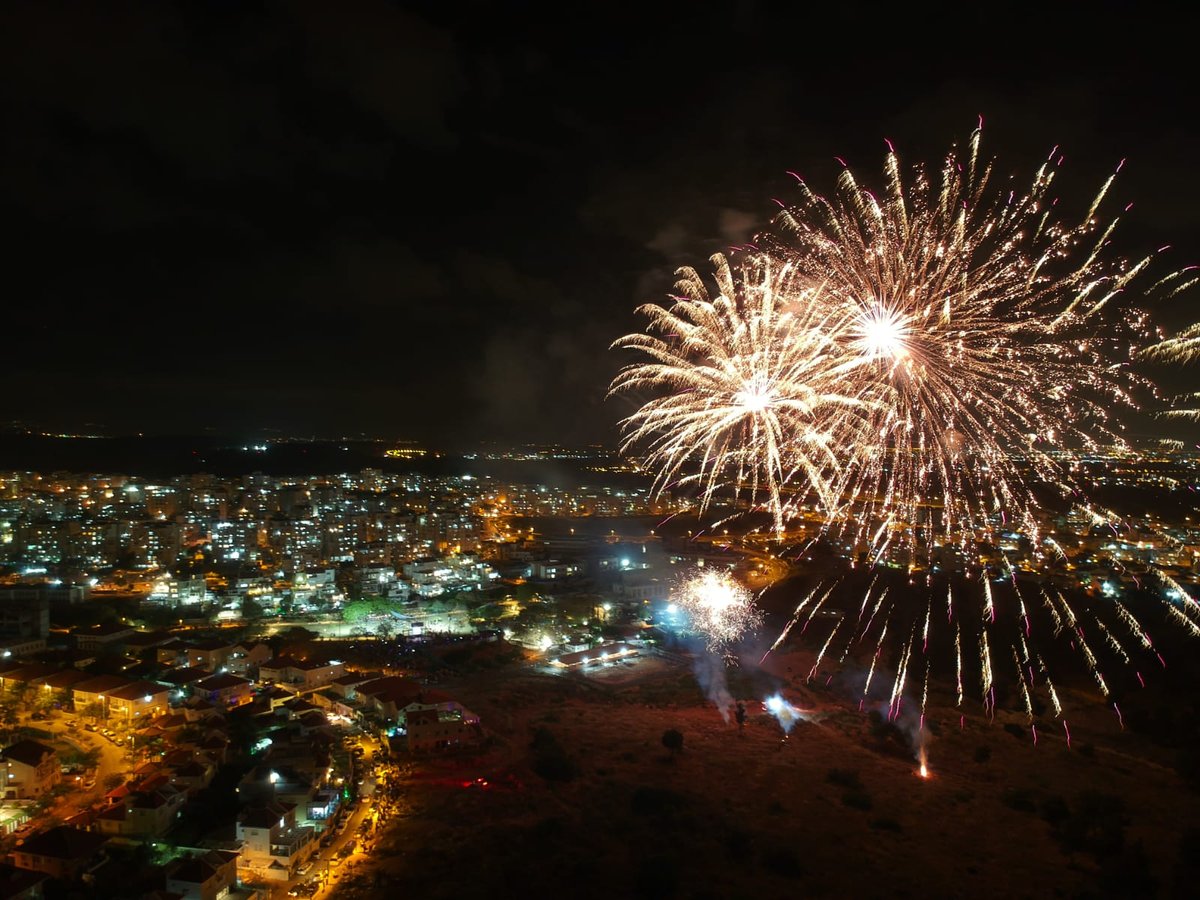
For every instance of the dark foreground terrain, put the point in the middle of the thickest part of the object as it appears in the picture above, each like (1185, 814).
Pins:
(577, 796)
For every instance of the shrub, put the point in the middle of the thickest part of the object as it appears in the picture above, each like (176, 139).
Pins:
(550, 760)
(1128, 874)
(844, 778)
(672, 739)
(886, 823)
(1015, 730)
(782, 861)
(857, 799)
(1054, 809)
(1096, 825)
(982, 753)
(657, 877)
(1018, 798)
(656, 801)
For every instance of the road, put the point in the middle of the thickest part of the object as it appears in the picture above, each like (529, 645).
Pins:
(111, 761)
(327, 866)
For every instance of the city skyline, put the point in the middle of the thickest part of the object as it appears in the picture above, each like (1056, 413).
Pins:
(394, 222)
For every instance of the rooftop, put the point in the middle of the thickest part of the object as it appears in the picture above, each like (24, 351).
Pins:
(66, 843)
(27, 752)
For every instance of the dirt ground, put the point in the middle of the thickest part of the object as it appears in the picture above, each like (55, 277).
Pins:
(838, 809)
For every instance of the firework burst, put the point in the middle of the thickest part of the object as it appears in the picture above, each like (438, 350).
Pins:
(983, 331)
(717, 607)
(920, 360)
(744, 383)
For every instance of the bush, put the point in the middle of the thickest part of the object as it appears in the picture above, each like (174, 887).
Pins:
(1128, 874)
(1018, 798)
(1054, 809)
(982, 753)
(550, 760)
(1015, 730)
(782, 861)
(857, 799)
(1096, 826)
(655, 801)
(657, 877)
(886, 823)
(843, 778)
(672, 739)
(738, 843)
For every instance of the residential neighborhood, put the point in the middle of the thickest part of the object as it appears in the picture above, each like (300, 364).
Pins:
(184, 764)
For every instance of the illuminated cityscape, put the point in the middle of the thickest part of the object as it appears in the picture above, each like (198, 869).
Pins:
(157, 630)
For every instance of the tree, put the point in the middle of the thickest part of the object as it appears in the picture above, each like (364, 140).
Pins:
(25, 694)
(9, 717)
(94, 710)
(356, 611)
(672, 739)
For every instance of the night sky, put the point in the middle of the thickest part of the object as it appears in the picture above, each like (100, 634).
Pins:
(430, 220)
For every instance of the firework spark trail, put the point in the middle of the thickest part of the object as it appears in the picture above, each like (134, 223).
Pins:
(1026, 660)
(924, 696)
(989, 607)
(1189, 602)
(1025, 695)
(1057, 547)
(1050, 688)
(985, 669)
(824, 647)
(1183, 620)
(1068, 613)
(1111, 640)
(1181, 349)
(1057, 619)
(958, 665)
(1134, 626)
(1093, 666)
(901, 676)
(875, 658)
(861, 632)
(866, 597)
(787, 628)
(875, 611)
(925, 630)
(816, 608)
